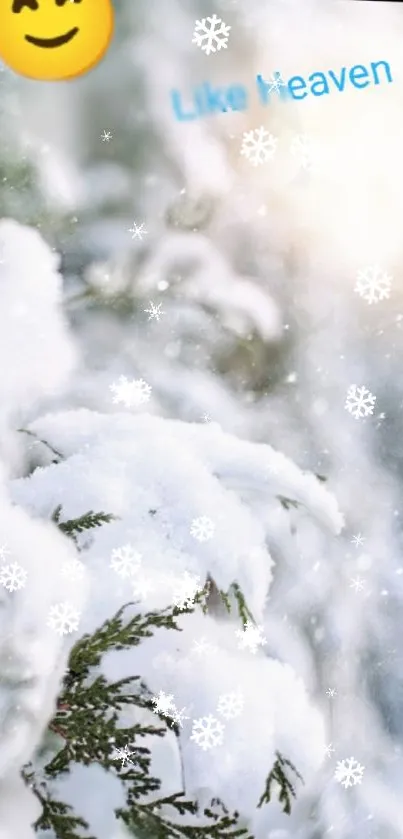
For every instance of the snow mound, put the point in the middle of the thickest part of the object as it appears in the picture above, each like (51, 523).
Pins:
(33, 333)
(163, 480)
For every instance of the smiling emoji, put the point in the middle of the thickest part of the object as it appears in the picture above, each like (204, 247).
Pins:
(52, 40)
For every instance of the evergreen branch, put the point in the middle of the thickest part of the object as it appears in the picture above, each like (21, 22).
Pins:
(146, 821)
(278, 776)
(88, 651)
(288, 502)
(54, 451)
(225, 599)
(85, 522)
(244, 612)
(56, 815)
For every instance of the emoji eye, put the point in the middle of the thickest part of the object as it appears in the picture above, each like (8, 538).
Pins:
(18, 5)
(62, 2)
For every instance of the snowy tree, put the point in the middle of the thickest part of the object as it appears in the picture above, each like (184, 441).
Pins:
(262, 329)
(149, 483)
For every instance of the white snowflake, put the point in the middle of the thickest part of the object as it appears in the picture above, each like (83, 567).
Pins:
(63, 618)
(357, 584)
(12, 576)
(276, 81)
(123, 755)
(349, 772)
(211, 34)
(331, 692)
(207, 732)
(360, 402)
(142, 587)
(202, 529)
(258, 145)
(230, 705)
(179, 717)
(106, 136)
(137, 231)
(358, 540)
(164, 704)
(125, 561)
(155, 311)
(303, 147)
(250, 638)
(373, 284)
(73, 569)
(186, 590)
(203, 647)
(132, 393)
(329, 750)
(4, 552)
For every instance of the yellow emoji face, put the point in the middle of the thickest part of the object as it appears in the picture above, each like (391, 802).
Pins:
(52, 40)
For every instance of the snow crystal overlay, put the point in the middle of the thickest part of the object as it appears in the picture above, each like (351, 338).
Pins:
(211, 34)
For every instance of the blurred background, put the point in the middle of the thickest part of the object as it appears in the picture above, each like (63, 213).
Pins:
(233, 314)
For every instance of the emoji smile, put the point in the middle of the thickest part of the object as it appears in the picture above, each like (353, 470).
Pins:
(52, 42)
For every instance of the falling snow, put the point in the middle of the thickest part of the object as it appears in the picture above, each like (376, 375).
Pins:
(258, 146)
(211, 34)
(360, 402)
(132, 393)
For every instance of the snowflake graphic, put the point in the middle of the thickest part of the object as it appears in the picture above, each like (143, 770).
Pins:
(357, 584)
(186, 590)
(211, 34)
(360, 402)
(125, 561)
(4, 552)
(207, 732)
(12, 576)
(123, 755)
(142, 587)
(155, 312)
(258, 145)
(179, 717)
(63, 618)
(106, 136)
(250, 638)
(349, 772)
(202, 529)
(203, 648)
(276, 81)
(373, 284)
(331, 692)
(132, 393)
(302, 147)
(164, 704)
(137, 231)
(230, 705)
(329, 750)
(358, 540)
(73, 569)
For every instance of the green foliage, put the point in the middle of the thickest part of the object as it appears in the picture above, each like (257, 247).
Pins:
(235, 593)
(86, 522)
(288, 502)
(278, 776)
(56, 815)
(88, 729)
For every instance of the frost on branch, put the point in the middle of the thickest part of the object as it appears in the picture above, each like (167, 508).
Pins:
(156, 478)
